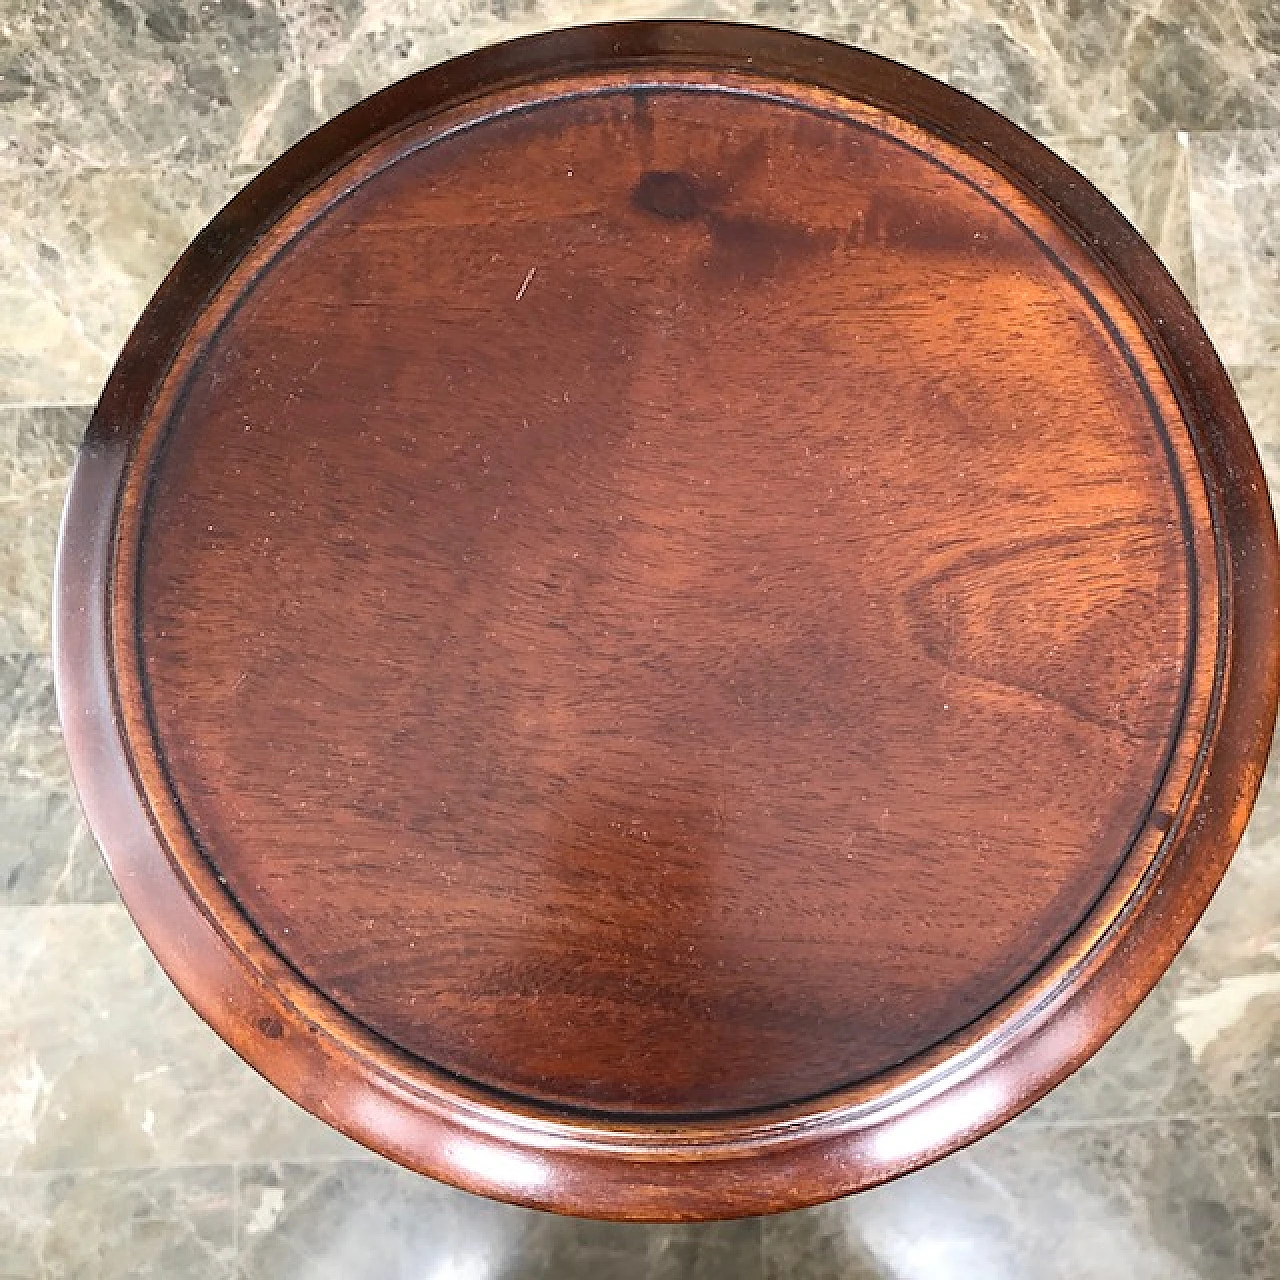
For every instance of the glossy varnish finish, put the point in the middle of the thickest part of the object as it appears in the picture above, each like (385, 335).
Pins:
(671, 668)
(667, 621)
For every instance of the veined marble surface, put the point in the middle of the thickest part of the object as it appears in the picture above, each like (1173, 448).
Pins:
(132, 1142)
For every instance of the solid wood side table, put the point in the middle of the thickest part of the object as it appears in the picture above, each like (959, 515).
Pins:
(667, 620)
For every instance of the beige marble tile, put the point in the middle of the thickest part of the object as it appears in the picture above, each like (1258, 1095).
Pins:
(1125, 66)
(31, 751)
(103, 1065)
(1200, 64)
(847, 21)
(347, 1221)
(913, 32)
(37, 450)
(128, 82)
(1052, 66)
(80, 255)
(1259, 392)
(46, 851)
(371, 1221)
(173, 1224)
(1148, 180)
(1235, 225)
(1166, 1200)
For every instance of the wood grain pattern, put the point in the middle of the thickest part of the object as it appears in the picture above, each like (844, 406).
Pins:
(648, 593)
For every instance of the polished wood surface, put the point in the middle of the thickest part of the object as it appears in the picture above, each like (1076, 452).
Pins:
(686, 686)
(648, 594)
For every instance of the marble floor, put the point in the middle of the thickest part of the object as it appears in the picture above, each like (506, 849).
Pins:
(132, 1143)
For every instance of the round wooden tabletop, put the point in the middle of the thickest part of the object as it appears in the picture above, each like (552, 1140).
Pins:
(667, 621)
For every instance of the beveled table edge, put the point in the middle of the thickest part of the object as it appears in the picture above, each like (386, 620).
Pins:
(652, 1170)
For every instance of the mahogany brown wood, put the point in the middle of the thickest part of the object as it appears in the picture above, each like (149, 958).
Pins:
(667, 621)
